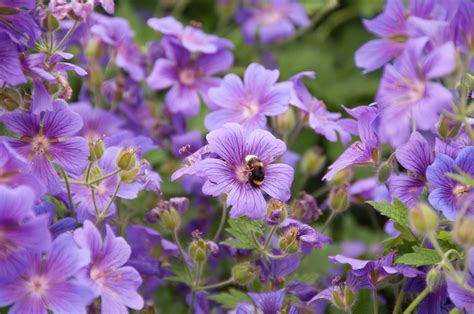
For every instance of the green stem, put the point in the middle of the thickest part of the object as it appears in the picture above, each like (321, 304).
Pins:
(179, 8)
(68, 34)
(103, 213)
(108, 175)
(97, 213)
(328, 221)
(321, 191)
(267, 241)
(181, 251)
(375, 300)
(417, 301)
(68, 189)
(88, 172)
(270, 255)
(221, 224)
(398, 304)
(195, 285)
(216, 285)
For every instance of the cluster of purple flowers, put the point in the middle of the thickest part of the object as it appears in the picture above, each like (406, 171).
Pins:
(80, 192)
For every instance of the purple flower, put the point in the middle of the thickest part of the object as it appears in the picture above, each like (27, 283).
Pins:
(115, 283)
(306, 235)
(266, 302)
(232, 173)
(14, 171)
(249, 102)
(21, 232)
(186, 142)
(191, 38)
(448, 195)
(278, 269)
(368, 189)
(188, 77)
(320, 120)
(49, 141)
(97, 122)
(415, 156)
(103, 190)
(10, 67)
(391, 26)
(362, 152)
(273, 20)
(463, 295)
(48, 283)
(305, 208)
(408, 95)
(21, 25)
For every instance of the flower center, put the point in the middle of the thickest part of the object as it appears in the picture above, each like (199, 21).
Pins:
(250, 108)
(40, 144)
(270, 16)
(459, 190)
(38, 285)
(6, 246)
(187, 77)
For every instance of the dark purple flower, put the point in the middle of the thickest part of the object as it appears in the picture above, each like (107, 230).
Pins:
(231, 173)
(306, 235)
(448, 195)
(250, 101)
(273, 20)
(191, 38)
(188, 77)
(47, 139)
(409, 95)
(22, 25)
(47, 283)
(278, 269)
(82, 194)
(14, 171)
(21, 232)
(115, 283)
(364, 151)
(265, 302)
(415, 156)
(319, 118)
(10, 67)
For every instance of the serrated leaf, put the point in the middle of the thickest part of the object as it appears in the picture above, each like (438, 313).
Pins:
(180, 274)
(397, 212)
(229, 299)
(241, 230)
(419, 257)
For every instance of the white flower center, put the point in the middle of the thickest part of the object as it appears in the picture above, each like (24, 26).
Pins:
(250, 108)
(187, 76)
(38, 285)
(40, 144)
(459, 190)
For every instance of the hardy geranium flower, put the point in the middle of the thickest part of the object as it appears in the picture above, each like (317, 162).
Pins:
(48, 284)
(266, 303)
(188, 77)
(115, 283)
(249, 102)
(273, 20)
(10, 67)
(319, 118)
(448, 195)
(408, 95)
(21, 231)
(304, 235)
(244, 169)
(48, 139)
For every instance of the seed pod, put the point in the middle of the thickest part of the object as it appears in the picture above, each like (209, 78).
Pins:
(312, 161)
(423, 219)
(126, 159)
(434, 278)
(244, 273)
(50, 23)
(339, 198)
(286, 121)
(384, 171)
(463, 231)
(198, 250)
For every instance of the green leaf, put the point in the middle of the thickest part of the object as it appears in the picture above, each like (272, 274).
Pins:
(419, 257)
(180, 274)
(397, 212)
(241, 229)
(229, 299)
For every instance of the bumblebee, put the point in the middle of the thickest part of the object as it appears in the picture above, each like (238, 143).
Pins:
(257, 175)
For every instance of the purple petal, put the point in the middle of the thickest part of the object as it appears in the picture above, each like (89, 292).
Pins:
(246, 200)
(269, 302)
(41, 100)
(182, 99)
(166, 25)
(391, 22)
(376, 53)
(72, 154)
(215, 63)
(278, 179)
(259, 80)
(61, 122)
(10, 67)
(229, 93)
(228, 142)
(356, 264)
(440, 62)
(265, 146)
(415, 155)
(405, 188)
(163, 75)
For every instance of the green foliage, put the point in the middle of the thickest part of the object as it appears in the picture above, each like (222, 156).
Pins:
(397, 212)
(241, 229)
(419, 257)
(230, 299)
(180, 274)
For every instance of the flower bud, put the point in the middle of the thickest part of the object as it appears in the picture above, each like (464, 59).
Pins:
(384, 171)
(181, 204)
(10, 99)
(423, 219)
(276, 212)
(463, 231)
(434, 278)
(342, 177)
(286, 121)
(170, 219)
(126, 159)
(96, 150)
(338, 302)
(448, 128)
(349, 297)
(290, 242)
(244, 273)
(50, 23)
(198, 250)
(305, 208)
(129, 175)
(339, 198)
(312, 161)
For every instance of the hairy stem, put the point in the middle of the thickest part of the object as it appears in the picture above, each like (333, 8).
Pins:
(68, 189)
(221, 224)
(417, 301)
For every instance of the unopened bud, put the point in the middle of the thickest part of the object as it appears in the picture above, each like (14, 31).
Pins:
(384, 171)
(463, 231)
(50, 23)
(434, 278)
(349, 297)
(130, 175)
(423, 219)
(10, 99)
(339, 198)
(338, 302)
(170, 219)
(286, 121)
(181, 204)
(244, 273)
(96, 150)
(448, 128)
(290, 242)
(198, 250)
(126, 159)
(342, 177)
(312, 161)
(305, 208)
(276, 212)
